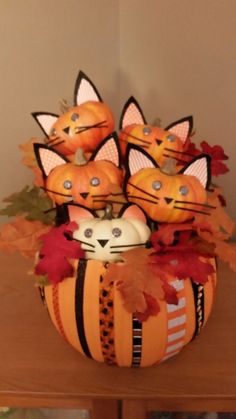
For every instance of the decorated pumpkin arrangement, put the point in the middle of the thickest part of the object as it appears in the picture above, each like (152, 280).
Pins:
(124, 250)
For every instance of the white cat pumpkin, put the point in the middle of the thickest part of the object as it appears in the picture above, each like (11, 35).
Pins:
(106, 238)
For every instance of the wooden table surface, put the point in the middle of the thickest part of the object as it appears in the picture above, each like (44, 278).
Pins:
(38, 368)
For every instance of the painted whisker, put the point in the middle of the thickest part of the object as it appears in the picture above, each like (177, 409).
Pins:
(49, 210)
(81, 241)
(100, 196)
(87, 127)
(109, 201)
(142, 190)
(52, 140)
(192, 210)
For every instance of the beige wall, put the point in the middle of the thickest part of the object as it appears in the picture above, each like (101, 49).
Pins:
(178, 57)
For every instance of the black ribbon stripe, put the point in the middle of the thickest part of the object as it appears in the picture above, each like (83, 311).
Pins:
(79, 305)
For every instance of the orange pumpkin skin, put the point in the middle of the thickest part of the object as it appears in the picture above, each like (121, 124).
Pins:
(82, 191)
(67, 133)
(166, 204)
(157, 142)
(92, 318)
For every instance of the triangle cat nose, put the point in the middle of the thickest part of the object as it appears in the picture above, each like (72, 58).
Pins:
(158, 142)
(84, 194)
(168, 200)
(66, 130)
(102, 242)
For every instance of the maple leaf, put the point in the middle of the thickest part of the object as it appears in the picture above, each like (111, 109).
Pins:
(56, 251)
(137, 282)
(22, 235)
(30, 202)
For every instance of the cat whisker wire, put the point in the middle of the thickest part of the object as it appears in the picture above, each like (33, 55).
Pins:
(87, 127)
(81, 241)
(136, 138)
(127, 245)
(54, 192)
(144, 199)
(192, 210)
(52, 140)
(142, 190)
(195, 203)
(178, 152)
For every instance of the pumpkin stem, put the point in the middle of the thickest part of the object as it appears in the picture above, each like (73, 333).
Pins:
(169, 167)
(108, 213)
(79, 157)
(63, 105)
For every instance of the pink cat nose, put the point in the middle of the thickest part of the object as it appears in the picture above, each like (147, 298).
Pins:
(102, 242)
(84, 194)
(168, 200)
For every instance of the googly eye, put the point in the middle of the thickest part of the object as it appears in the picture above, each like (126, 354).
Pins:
(88, 232)
(147, 130)
(183, 190)
(116, 232)
(95, 181)
(74, 117)
(53, 132)
(171, 138)
(67, 184)
(156, 185)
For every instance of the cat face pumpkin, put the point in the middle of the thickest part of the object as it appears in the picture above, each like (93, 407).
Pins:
(107, 239)
(87, 184)
(84, 125)
(159, 143)
(167, 198)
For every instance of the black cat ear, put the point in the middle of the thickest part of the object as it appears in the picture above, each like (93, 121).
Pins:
(47, 158)
(85, 90)
(200, 167)
(137, 159)
(182, 128)
(109, 150)
(131, 114)
(45, 120)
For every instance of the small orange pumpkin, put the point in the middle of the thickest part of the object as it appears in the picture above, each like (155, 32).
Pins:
(86, 183)
(164, 197)
(93, 319)
(159, 143)
(83, 126)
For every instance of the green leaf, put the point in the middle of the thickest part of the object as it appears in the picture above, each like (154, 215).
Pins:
(31, 202)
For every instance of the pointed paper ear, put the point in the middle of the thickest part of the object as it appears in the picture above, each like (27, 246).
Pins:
(78, 212)
(132, 114)
(132, 211)
(200, 168)
(48, 159)
(45, 120)
(182, 128)
(137, 159)
(85, 90)
(108, 150)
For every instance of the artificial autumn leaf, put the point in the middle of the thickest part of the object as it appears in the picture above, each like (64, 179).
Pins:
(179, 254)
(135, 279)
(152, 309)
(30, 161)
(56, 251)
(31, 202)
(22, 235)
(216, 153)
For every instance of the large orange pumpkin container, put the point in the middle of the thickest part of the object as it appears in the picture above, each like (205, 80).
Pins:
(92, 318)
